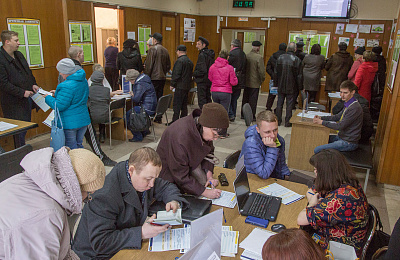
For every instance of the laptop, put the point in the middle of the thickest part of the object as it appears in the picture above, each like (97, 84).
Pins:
(254, 204)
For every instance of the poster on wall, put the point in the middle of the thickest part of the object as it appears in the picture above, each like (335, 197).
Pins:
(359, 42)
(351, 28)
(309, 40)
(30, 40)
(339, 28)
(144, 32)
(372, 42)
(345, 40)
(80, 34)
(364, 28)
(189, 30)
(395, 60)
(378, 28)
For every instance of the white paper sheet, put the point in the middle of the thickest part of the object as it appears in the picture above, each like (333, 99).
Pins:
(169, 217)
(40, 101)
(335, 95)
(227, 199)
(256, 239)
(248, 255)
(214, 256)
(288, 196)
(44, 92)
(49, 118)
(312, 114)
(172, 239)
(6, 126)
(351, 28)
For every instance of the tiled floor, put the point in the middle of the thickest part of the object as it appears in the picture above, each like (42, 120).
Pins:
(385, 198)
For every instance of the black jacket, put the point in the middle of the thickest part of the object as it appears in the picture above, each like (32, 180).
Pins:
(237, 58)
(129, 59)
(272, 63)
(381, 71)
(288, 76)
(182, 73)
(300, 54)
(204, 61)
(113, 219)
(15, 78)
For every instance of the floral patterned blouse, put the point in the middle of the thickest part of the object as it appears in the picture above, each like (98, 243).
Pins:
(340, 216)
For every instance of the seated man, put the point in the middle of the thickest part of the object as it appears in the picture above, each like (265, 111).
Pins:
(348, 122)
(264, 148)
(187, 151)
(116, 217)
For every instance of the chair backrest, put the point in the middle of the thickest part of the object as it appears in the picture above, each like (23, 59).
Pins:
(303, 95)
(231, 160)
(10, 161)
(373, 216)
(120, 103)
(163, 104)
(247, 114)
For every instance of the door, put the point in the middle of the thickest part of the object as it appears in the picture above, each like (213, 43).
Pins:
(169, 33)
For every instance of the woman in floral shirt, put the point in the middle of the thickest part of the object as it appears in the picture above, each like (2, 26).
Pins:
(338, 207)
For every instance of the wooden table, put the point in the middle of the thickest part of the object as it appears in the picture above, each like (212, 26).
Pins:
(333, 101)
(287, 215)
(8, 144)
(304, 138)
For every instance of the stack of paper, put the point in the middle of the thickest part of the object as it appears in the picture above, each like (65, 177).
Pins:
(227, 199)
(169, 217)
(277, 190)
(312, 114)
(6, 126)
(121, 96)
(334, 95)
(254, 243)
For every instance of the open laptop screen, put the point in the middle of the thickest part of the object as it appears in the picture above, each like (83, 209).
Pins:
(242, 189)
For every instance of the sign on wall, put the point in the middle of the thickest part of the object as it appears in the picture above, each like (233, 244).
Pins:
(80, 34)
(144, 31)
(309, 40)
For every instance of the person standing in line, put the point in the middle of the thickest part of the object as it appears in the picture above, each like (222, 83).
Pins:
(110, 66)
(365, 75)
(312, 66)
(271, 72)
(377, 96)
(255, 76)
(129, 58)
(356, 64)
(200, 74)
(338, 67)
(181, 83)
(299, 50)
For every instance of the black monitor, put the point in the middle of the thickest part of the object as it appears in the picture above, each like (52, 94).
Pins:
(242, 188)
(326, 10)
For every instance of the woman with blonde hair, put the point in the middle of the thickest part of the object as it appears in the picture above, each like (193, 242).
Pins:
(111, 71)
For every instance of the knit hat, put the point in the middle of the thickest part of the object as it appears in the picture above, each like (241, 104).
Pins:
(89, 169)
(132, 74)
(67, 66)
(360, 50)
(377, 50)
(129, 43)
(282, 46)
(256, 43)
(97, 77)
(214, 115)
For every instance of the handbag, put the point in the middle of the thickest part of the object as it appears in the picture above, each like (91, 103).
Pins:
(139, 122)
(379, 240)
(57, 137)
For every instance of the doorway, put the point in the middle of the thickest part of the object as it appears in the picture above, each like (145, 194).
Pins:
(245, 36)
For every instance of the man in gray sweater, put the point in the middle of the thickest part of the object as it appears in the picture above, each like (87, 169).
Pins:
(347, 123)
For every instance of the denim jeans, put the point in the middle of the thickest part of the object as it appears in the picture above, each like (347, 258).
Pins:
(74, 137)
(234, 98)
(336, 143)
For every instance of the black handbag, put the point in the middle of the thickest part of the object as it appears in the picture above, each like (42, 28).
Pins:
(139, 122)
(379, 240)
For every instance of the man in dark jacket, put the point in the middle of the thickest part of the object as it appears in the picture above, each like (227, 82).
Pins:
(376, 97)
(129, 58)
(299, 50)
(288, 81)
(338, 67)
(204, 61)
(181, 81)
(115, 217)
(237, 59)
(17, 83)
(271, 72)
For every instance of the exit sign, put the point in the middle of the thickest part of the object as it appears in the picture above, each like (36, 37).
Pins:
(243, 4)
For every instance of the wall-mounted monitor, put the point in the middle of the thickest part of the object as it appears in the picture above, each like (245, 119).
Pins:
(326, 10)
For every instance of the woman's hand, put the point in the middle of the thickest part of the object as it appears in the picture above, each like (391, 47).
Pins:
(314, 200)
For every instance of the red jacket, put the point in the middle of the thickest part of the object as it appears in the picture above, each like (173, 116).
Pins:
(365, 77)
(222, 75)
(354, 68)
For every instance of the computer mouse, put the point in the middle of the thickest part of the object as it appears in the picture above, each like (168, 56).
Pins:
(277, 228)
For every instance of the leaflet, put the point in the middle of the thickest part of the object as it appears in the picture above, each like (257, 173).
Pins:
(227, 199)
(288, 196)
(4, 126)
(169, 217)
(40, 101)
(49, 119)
(172, 239)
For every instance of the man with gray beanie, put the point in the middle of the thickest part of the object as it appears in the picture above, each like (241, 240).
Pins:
(187, 151)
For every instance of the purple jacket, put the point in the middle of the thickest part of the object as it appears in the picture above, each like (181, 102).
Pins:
(222, 75)
(263, 160)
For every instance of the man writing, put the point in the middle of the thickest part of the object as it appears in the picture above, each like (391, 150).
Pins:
(17, 83)
(264, 148)
(348, 122)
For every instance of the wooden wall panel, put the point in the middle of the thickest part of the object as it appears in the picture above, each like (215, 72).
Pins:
(79, 10)
(9, 9)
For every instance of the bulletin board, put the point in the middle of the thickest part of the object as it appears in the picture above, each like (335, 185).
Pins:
(80, 34)
(30, 40)
(311, 39)
(144, 30)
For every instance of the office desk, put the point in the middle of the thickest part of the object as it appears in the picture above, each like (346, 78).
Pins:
(304, 138)
(22, 127)
(287, 215)
(333, 101)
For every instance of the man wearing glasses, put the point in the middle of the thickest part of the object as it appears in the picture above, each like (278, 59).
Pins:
(187, 151)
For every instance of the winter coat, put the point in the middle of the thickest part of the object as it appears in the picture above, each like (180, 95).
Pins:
(182, 149)
(113, 219)
(157, 62)
(110, 55)
(381, 70)
(288, 76)
(255, 70)
(271, 64)
(204, 61)
(312, 66)
(352, 73)
(34, 206)
(263, 160)
(237, 58)
(71, 98)
(364, 77)
(222, 76)
(338, 67)
(300, 54)
(15, 78)
(127, 59)
(182, 73)
(144, 93)
(99, 100)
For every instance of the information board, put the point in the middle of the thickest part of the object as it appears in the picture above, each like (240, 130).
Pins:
(144, 31)
(80, 34)
(311, 39)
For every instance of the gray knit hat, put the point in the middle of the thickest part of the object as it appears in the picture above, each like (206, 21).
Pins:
(67, 66)
(132, 74)
(97, 77)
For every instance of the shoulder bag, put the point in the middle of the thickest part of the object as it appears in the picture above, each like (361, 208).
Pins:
(139, 122)
(57, 137)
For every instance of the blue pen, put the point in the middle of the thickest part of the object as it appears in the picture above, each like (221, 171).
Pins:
(311, 193)
(212, 186)
(223, 213)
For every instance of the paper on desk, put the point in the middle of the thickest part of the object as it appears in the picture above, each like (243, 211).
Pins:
(200, 251)
(256, 239)
(288, 196)
(227, 199)
(121, 96)
(334, 95)
(248, 255)
(169, 217)
(312, 114)
(39, 100)
(213, 256)
(6, 126)
(172, 239)
(49, 119)
(229, 243)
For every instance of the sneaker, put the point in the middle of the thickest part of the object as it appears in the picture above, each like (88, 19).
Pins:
(102, 138)
(136, 139)
(108, 162)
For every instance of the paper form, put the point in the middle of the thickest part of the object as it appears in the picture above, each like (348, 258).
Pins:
(213, 256)
(5, 126)
(44, 92)
(227, 199)
(229, 243)
(277, 190)
(172, 239)
(40, 101)
(312, 114)
(248, 255)
(49, 119)
(256, 239)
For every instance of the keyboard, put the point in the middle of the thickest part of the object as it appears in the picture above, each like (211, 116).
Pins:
(260, 206)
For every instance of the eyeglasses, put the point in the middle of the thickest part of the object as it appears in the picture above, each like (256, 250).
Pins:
(217, 131)
(88, 198)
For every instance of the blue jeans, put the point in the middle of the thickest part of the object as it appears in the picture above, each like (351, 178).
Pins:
(74, 137)
(234, 98)
(336, 143)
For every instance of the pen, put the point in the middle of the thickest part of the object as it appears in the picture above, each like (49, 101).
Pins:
(223, 213)
(311, 193)
(212, 186)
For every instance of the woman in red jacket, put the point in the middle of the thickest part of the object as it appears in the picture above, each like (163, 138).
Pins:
(365, 75)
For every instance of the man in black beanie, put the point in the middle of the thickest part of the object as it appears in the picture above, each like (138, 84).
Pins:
(271, 72)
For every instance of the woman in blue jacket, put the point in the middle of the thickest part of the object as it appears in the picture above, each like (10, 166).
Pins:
(71, 98)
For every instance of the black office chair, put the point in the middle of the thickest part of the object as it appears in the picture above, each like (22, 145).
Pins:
(10, 161)
(373, 216)
(312, 105)
(231, 160)
(247, 114)
(114, 105)
(162, 106)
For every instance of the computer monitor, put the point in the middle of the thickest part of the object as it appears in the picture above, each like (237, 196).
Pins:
(242, 187)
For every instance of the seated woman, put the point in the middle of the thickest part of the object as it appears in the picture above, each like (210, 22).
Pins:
(337, 206)
(292, 244)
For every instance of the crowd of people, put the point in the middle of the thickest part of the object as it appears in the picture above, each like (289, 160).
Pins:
(115, 213)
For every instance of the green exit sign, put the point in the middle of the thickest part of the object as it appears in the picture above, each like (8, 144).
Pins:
(243, 4)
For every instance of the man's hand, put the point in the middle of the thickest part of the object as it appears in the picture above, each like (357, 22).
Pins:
(149, 231)
(35, 88)
(174, 205)
(171, 87)
(268, 141)
(28, 93)
(210, 178)
(317, 120)
(212, 193)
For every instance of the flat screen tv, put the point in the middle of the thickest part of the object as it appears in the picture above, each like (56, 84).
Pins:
(326, 10)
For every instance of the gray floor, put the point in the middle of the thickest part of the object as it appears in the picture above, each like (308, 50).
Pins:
(386, 198)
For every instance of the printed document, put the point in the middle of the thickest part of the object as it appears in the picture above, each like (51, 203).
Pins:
(277, 190)
(172, 239)
(254, 242)
(49, 119)
(169, 217)
(6, 126)
(312, 114)
(227, 199)
(39, 100)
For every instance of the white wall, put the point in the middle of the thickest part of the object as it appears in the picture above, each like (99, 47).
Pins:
(106, 18)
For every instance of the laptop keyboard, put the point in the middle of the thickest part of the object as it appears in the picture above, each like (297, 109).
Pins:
(260, 206)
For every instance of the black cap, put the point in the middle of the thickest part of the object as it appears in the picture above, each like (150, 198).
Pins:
(377, 50)
(360, 50)
(181, 48)
(157, 36)
(129, 43)
(300, 43)
(204, 40)
(256, 43)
